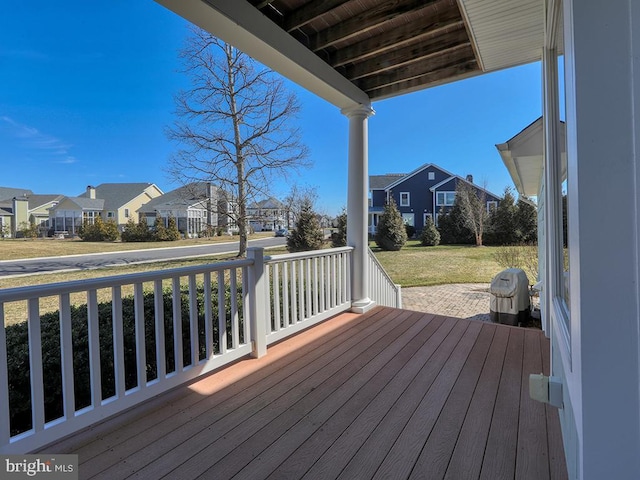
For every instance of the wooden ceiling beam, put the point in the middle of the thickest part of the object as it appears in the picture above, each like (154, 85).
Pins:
(309, 12)
(366, 21)
(438, 77)
(415, 52)
(440, 21)
(451, 58)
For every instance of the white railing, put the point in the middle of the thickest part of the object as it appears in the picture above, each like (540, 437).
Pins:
(306, 288)
(92, 348)
(132, 337)
(382, 290)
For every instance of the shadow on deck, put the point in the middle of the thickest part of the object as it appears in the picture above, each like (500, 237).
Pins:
(391, 394)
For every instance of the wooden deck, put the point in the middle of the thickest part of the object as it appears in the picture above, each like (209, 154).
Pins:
(391, 394)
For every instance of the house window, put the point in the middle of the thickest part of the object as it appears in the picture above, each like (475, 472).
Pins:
(492, 205)
(404, 199)
(431, 175)
(445, 199)
(111, 214)
(126, 213)
(409, 219)
(425, 216)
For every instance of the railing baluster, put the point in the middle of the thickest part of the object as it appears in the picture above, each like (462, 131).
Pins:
(193, 320)
(35, 364)
(93, 331)
(158, 304)
(66, 357)
(286, 307)
(276, 286)
(176, 297)
(222, 315)
(322, 281)
(233, 286)
(245, 304)
(301, 295)
(294, 296)
(315, 309)
(208, 316)
(141, 354)
(5, 427)
(118, 340)
(309, 309)
(336, 281)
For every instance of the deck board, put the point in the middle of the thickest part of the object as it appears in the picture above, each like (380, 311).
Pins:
(388, 394)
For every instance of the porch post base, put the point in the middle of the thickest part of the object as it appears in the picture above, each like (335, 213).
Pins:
(362, 306)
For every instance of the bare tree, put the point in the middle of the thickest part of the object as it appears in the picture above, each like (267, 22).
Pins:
(295, 201)
(473, 204)
(235, 126)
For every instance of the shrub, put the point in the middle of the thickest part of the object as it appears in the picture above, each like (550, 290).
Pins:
(339, 238)
(137, 232)
(411, 230)
(430, 236)
(99, 231)
(18, 351)
(28, 230)
(391, 233)
(308, 234)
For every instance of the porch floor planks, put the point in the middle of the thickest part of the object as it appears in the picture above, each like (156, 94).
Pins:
(219, 424)
(386, 393)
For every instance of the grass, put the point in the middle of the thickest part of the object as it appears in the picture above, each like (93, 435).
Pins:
(11, 249)
(413, 266)
(418, 266)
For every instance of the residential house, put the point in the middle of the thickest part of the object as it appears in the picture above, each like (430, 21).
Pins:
(118, 202)
(23, 208)
(267, 215)
(195, 207)
(425, 192)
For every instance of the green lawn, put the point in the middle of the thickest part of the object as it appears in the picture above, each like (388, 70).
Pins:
(415, 265)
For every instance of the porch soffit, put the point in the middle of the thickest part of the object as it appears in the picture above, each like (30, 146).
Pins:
(352, 52)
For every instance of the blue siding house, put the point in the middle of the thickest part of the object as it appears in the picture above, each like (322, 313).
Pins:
(423, 193)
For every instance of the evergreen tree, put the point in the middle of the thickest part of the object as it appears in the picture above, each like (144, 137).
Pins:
(339, 238)
(308, 234)
(391, 233)
(430, 236)
(504, 227)
(452, 227)
(98, 231)
(173, 233)
(527, 221)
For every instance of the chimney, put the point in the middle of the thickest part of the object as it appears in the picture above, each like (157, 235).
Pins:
(470, 178)
(91, 192)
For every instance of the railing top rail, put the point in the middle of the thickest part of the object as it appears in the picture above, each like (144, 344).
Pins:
(51, 289)
(310, 254)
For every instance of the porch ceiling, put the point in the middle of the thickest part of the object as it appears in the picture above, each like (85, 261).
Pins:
(353, 51)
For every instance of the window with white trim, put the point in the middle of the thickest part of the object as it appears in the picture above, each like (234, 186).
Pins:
(445, 199)
(431, 175)
(492, 205)
(409, 219)
(425, 216)
(405, 199)
(126, 213)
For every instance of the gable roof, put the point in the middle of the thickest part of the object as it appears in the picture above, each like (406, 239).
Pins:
(184, 196)
(417, 171)
(460, 179)
(8, 193)
(88, 203)
(380, 182)
(268, 203)
(115, 195)
(36, 201)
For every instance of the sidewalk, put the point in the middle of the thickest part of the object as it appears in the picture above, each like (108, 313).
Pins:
(467, 300)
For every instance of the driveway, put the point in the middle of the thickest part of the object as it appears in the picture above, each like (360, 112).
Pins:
(463, 300)
(32, 266)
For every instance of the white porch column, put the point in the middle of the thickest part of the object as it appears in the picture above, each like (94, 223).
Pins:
(357, 205)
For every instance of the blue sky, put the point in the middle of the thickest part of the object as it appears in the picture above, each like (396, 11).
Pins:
(86, 91)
